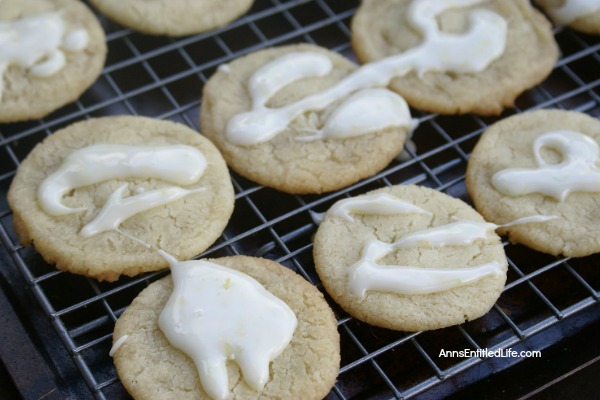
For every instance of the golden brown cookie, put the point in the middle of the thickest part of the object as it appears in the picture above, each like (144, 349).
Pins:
(172, 17)
(185, 225)
(409, 258)
(52, 51)
(382, 29)
(529, 141)
(291, 158)
(306, 369)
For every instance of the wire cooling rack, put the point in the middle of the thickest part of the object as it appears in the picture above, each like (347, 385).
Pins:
(163, 78)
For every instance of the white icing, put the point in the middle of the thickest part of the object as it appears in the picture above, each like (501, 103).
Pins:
(116, 209)
(76, 40)
(265, 82)
(317, 217)
(529, 219)
(573, 9)
(216, 314)
(36, 43)
(224, 68)
(409, 147)
(379, 204)
(365, 111)
(577, 171)
(409, 280)
(275, 75)
(366, 275)
(117, 345)
(180, 164)
(451, 234)
(462, 232)
(53, 63)
(478, 47)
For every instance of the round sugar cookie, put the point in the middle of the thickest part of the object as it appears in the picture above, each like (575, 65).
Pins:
(70, 51)
(345, 240)
(172, 17)
(306, 369)
(509, 144)
(287, 162)
(579, 15)
(184, 227)
(381, 29)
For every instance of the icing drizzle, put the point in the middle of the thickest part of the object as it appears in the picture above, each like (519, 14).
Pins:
(217, 314)
(367, 275)
(116, 209)
(180, 164)
(577, 171)
(36, 43)
(478, 47)
(117, 345)
(379, 203)
(573, 9)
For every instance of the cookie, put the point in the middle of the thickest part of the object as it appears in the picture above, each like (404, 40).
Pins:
(306, 368)
(510, 174)
(298, 119)
(51, 51)
(172, 17)
(409, 258)
(581, 15)
(97, 196)
(463, 56)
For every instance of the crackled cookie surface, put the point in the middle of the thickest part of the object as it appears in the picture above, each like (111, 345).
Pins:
(306, 368)
(457, 56)
(51, 52)
(173, 17)
(543, 162)
(99, 196)
(409, 258)
(303, 119)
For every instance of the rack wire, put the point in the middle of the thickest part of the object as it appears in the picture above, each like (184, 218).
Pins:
(163, 78)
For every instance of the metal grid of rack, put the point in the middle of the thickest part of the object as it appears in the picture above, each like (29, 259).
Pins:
(163, 78)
